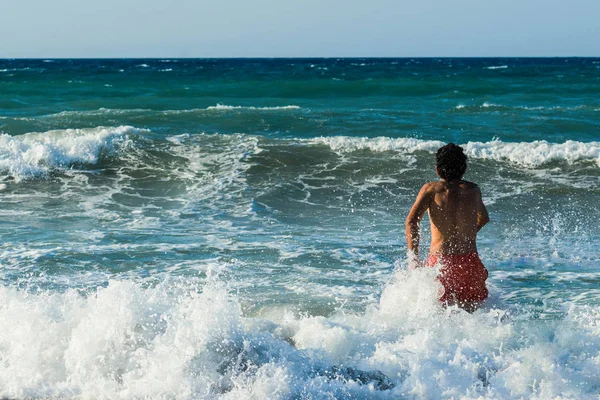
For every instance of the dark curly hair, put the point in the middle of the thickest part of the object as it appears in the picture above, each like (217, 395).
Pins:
(451, 162)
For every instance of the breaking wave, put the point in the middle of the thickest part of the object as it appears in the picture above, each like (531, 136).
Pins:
(118, 341)
(526, 154)
(35, 154)
(226, 107)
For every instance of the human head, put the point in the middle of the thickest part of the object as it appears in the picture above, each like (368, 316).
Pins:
(450, 162)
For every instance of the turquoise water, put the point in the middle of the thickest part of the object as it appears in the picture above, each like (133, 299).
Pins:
(234, 228)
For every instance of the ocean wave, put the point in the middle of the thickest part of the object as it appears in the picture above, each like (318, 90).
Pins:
(34, 154)
(534, 154)
(497, 67)
(488, 105)
(226, 107)
(216, 166)
(495, 106)
(344, 144)
(99, 112)
(484, 105)
(127, 111)
(527, 154)
(117, 341)
(14, 69)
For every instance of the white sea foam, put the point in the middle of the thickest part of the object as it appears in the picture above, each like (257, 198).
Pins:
(497, 67)
(99, 112)
(344, 144)
(14, 69)
(191, 340)
(226, 107)
(488, 105)
(527, 154)
(484, 105)
(217, 173)
(35, 154)
(522, 107)
(554, 108)
(126, 111)
(17, 118)
(532, 154)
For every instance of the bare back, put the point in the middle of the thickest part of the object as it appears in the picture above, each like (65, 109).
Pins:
(453, 214)
(456, 212)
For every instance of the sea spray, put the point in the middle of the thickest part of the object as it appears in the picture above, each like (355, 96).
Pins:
(190, 340)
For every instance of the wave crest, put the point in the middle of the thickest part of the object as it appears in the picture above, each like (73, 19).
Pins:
(34, 154)
(344, 144)
(117, 341)
(525, 154)
(226, 107)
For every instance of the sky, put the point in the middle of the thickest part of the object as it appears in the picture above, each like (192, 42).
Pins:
(300, 28)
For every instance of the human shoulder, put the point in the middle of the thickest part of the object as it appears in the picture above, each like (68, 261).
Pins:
(427, 192)
(470, 185)
(429, 187)
(433, 187)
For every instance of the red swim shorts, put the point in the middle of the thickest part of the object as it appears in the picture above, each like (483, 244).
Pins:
(462, 276)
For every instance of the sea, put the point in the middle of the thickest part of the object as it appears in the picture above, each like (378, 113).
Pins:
(234, 228)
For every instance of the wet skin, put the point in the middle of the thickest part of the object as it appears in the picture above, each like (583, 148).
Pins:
(456, 213)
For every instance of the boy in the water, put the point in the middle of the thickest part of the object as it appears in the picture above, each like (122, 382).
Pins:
(457, 213)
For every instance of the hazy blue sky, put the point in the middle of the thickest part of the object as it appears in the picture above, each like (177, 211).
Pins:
(261, 28)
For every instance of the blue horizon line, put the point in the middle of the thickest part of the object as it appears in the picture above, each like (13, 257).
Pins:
(306, 58)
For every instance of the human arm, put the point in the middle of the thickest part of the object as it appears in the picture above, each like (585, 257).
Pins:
(414, 218)
(482, 214)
